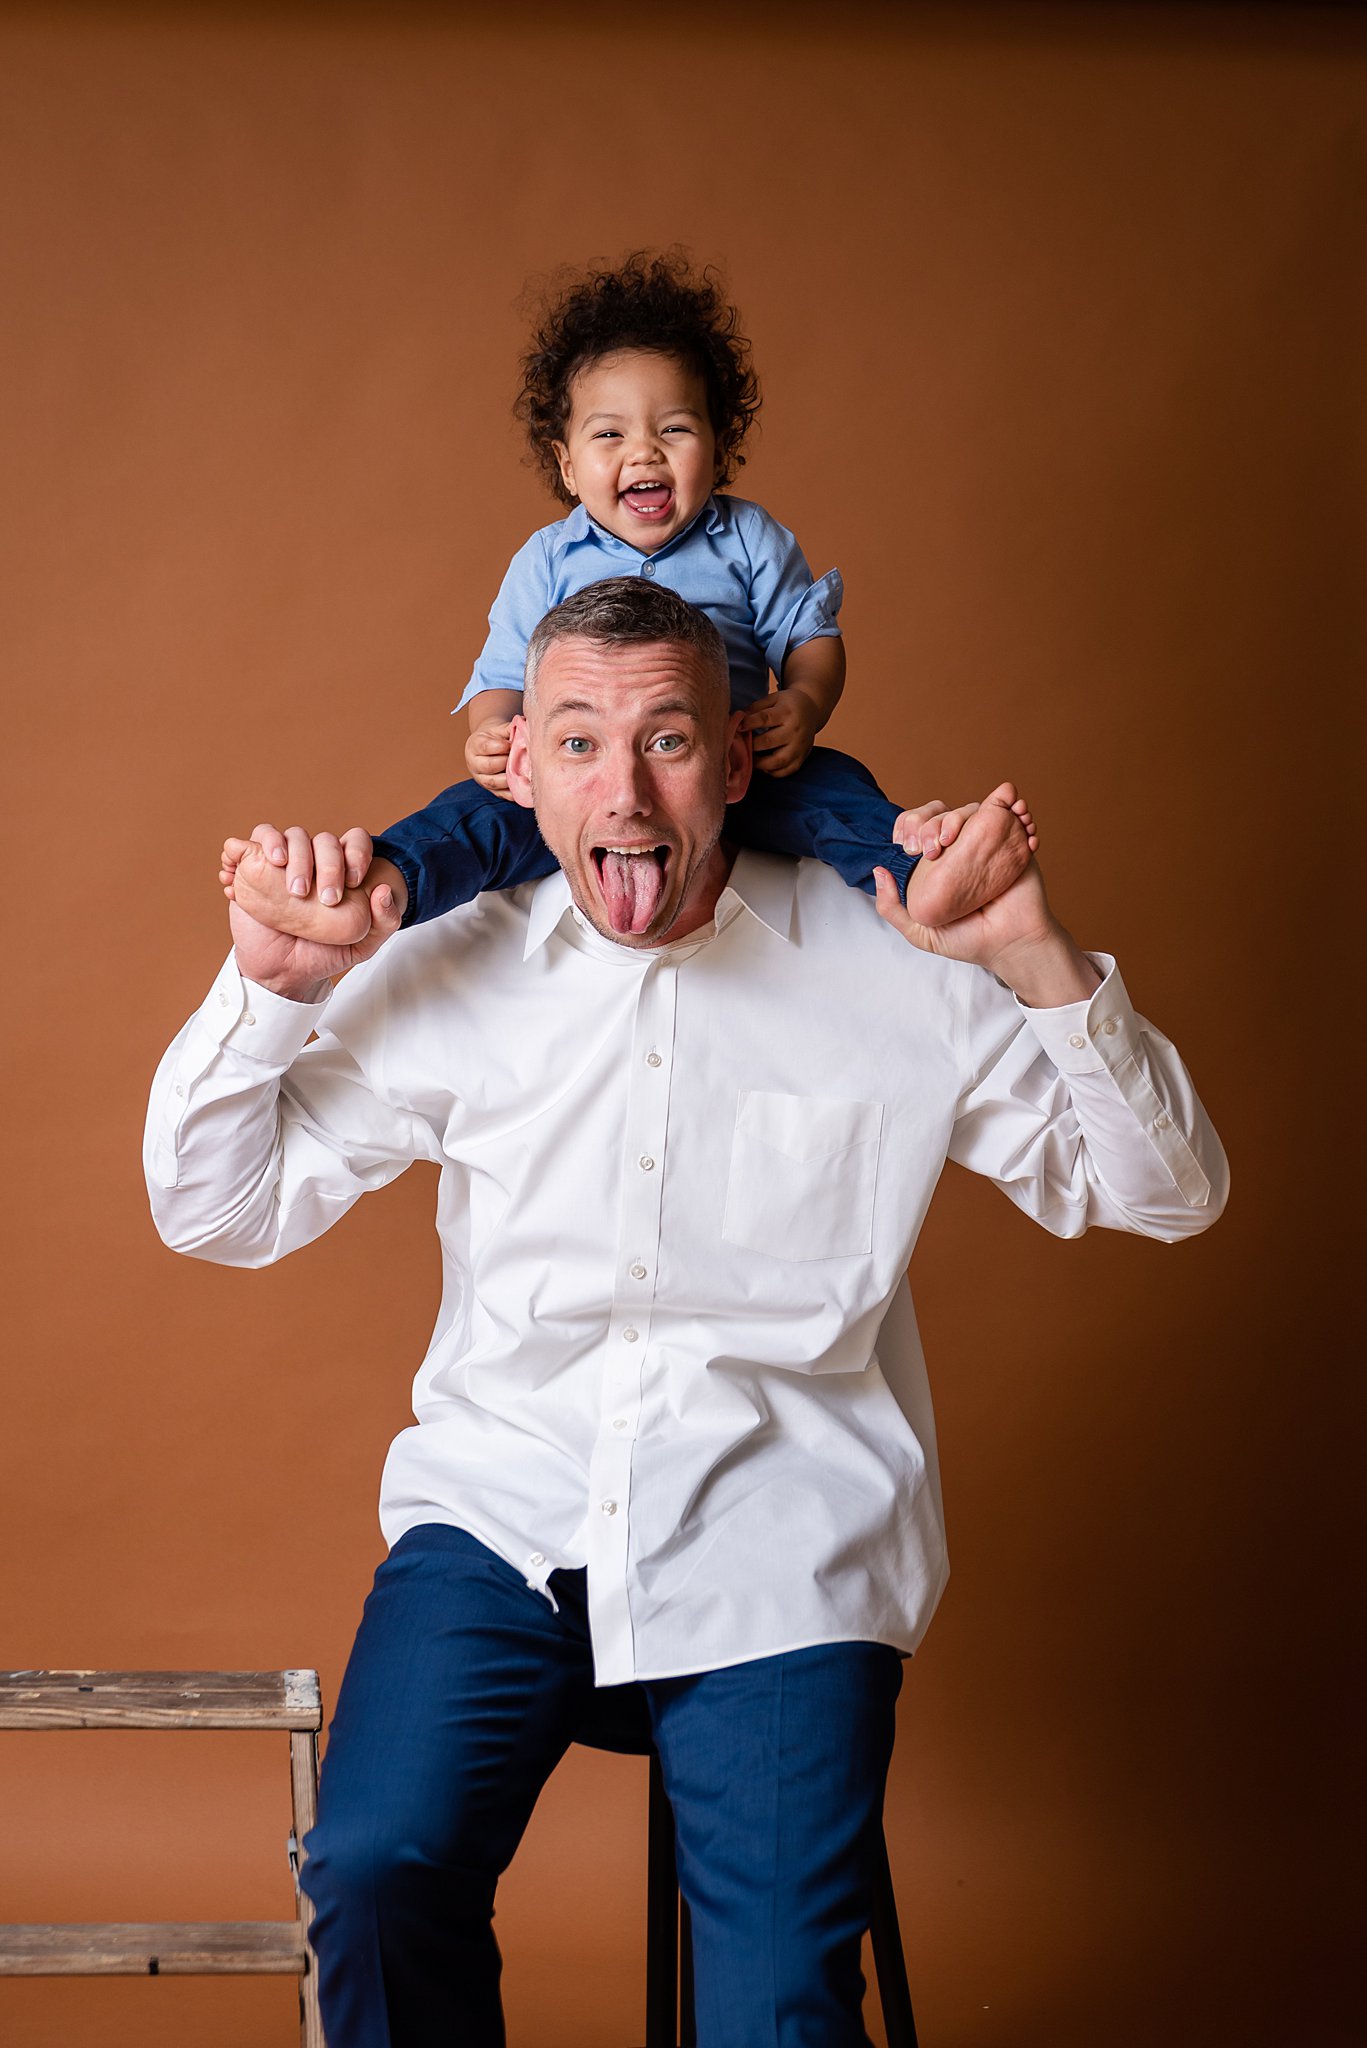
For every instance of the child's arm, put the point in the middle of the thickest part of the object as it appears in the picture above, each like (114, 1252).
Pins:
(787, 723)
(486, 750)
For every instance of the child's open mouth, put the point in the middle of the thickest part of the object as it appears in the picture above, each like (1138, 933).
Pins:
(649, 501)
(632, 879)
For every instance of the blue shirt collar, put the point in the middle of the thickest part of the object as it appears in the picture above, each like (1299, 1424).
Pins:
(577, 526)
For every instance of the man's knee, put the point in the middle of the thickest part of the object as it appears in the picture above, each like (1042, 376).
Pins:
(381, 1871)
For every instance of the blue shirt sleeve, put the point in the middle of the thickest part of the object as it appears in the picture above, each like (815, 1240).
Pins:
(789, 608)
(523, 600)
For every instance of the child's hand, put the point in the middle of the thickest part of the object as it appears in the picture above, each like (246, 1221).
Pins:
(486, 755)
(784, 724)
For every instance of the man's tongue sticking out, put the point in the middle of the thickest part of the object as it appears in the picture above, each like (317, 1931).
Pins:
(632, 886)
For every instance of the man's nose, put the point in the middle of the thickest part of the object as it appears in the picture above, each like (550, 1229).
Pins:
(628, 784)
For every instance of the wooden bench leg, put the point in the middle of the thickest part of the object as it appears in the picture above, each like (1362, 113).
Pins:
(304, 1791)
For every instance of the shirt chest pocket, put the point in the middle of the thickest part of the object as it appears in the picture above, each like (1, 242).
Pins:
(803, 1173)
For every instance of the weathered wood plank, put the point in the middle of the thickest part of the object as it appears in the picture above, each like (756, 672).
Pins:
(215, 1948)
(304, 1794)
(160, 1699)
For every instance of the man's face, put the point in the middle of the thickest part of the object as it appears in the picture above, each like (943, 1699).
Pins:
(629, 756)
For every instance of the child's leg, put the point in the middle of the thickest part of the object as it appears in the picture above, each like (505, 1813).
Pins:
(465, 841)
(831, 810)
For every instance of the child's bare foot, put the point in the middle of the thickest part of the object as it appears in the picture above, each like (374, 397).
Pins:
(969, 856)
(260, 888)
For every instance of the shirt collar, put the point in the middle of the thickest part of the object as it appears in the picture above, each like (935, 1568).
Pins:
(577, 526)
(765, 884)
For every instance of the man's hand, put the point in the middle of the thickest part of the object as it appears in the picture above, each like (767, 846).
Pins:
(785, 724)
(264, 912)
(1013, 934)
(486, 755)
(317, 887)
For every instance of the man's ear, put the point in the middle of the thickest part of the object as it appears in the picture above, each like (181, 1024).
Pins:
(519, 769)
(562, 456)
(740, 758)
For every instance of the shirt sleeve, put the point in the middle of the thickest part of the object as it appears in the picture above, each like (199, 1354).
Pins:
(787, 606)
(256, 1141)
(523, 600)
(1085, 1115)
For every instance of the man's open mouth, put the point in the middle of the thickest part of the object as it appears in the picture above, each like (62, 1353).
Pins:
(649, 501)
(632, 880)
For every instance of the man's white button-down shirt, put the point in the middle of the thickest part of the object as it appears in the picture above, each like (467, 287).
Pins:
(679, 1193)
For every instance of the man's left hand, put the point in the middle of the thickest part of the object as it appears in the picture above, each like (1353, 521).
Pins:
(1014, 935)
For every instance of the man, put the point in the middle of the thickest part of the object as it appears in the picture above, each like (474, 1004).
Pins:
(673, 1428)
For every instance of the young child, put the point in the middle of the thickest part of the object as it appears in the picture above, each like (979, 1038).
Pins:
(637, 395)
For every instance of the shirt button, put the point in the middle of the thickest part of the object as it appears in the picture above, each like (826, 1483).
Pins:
(629, 1336)
(646, 1162)
(223, 997)
(609, 1507)
(620, 1423)
(537, 1557)
(652, 1058)
(1109, 1027)
(1161, 1121)
(638, 1271)
(647, 568)
(181, 1091)
(247, 1017)
(1076, 1039)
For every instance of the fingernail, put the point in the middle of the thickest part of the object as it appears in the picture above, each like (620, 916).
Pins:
(299, 887)
(331, 896)
(353, 876)
(386, 899)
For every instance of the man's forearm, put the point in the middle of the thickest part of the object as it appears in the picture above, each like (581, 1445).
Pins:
(212, 1151)
(1047, 970)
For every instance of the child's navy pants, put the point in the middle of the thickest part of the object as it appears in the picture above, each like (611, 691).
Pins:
(464, 1689)
(468, 840)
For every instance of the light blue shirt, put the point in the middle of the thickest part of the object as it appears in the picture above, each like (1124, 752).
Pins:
(734, 562)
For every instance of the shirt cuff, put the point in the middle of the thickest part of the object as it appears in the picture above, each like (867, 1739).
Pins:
(1090, 1037)
(813, 617)
(250, 1019)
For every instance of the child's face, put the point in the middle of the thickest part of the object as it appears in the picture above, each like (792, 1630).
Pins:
(639, 451)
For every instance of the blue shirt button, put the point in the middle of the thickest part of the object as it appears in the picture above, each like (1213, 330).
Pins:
(647, 568)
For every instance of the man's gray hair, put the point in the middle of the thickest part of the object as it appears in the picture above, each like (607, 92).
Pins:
(625, 611)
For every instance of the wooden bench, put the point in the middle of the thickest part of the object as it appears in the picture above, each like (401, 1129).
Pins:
(271, 1700)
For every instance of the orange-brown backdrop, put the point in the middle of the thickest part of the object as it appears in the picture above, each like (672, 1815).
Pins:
(1056, 314)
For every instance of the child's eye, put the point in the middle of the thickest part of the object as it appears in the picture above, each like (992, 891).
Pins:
(607, 434)
(678, 430)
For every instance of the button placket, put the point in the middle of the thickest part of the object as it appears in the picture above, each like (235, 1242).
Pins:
(629, 1324)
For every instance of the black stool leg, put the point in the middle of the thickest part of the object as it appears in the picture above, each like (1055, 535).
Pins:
(890, 1966)
(662, 1918)
(688, 2022)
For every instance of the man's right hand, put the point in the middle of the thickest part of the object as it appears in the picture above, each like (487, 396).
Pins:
(289, 941)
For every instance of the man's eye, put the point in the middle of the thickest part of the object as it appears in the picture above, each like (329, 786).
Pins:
(670, 742)
(577, 745)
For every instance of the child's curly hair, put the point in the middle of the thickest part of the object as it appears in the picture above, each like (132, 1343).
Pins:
(653, 302)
